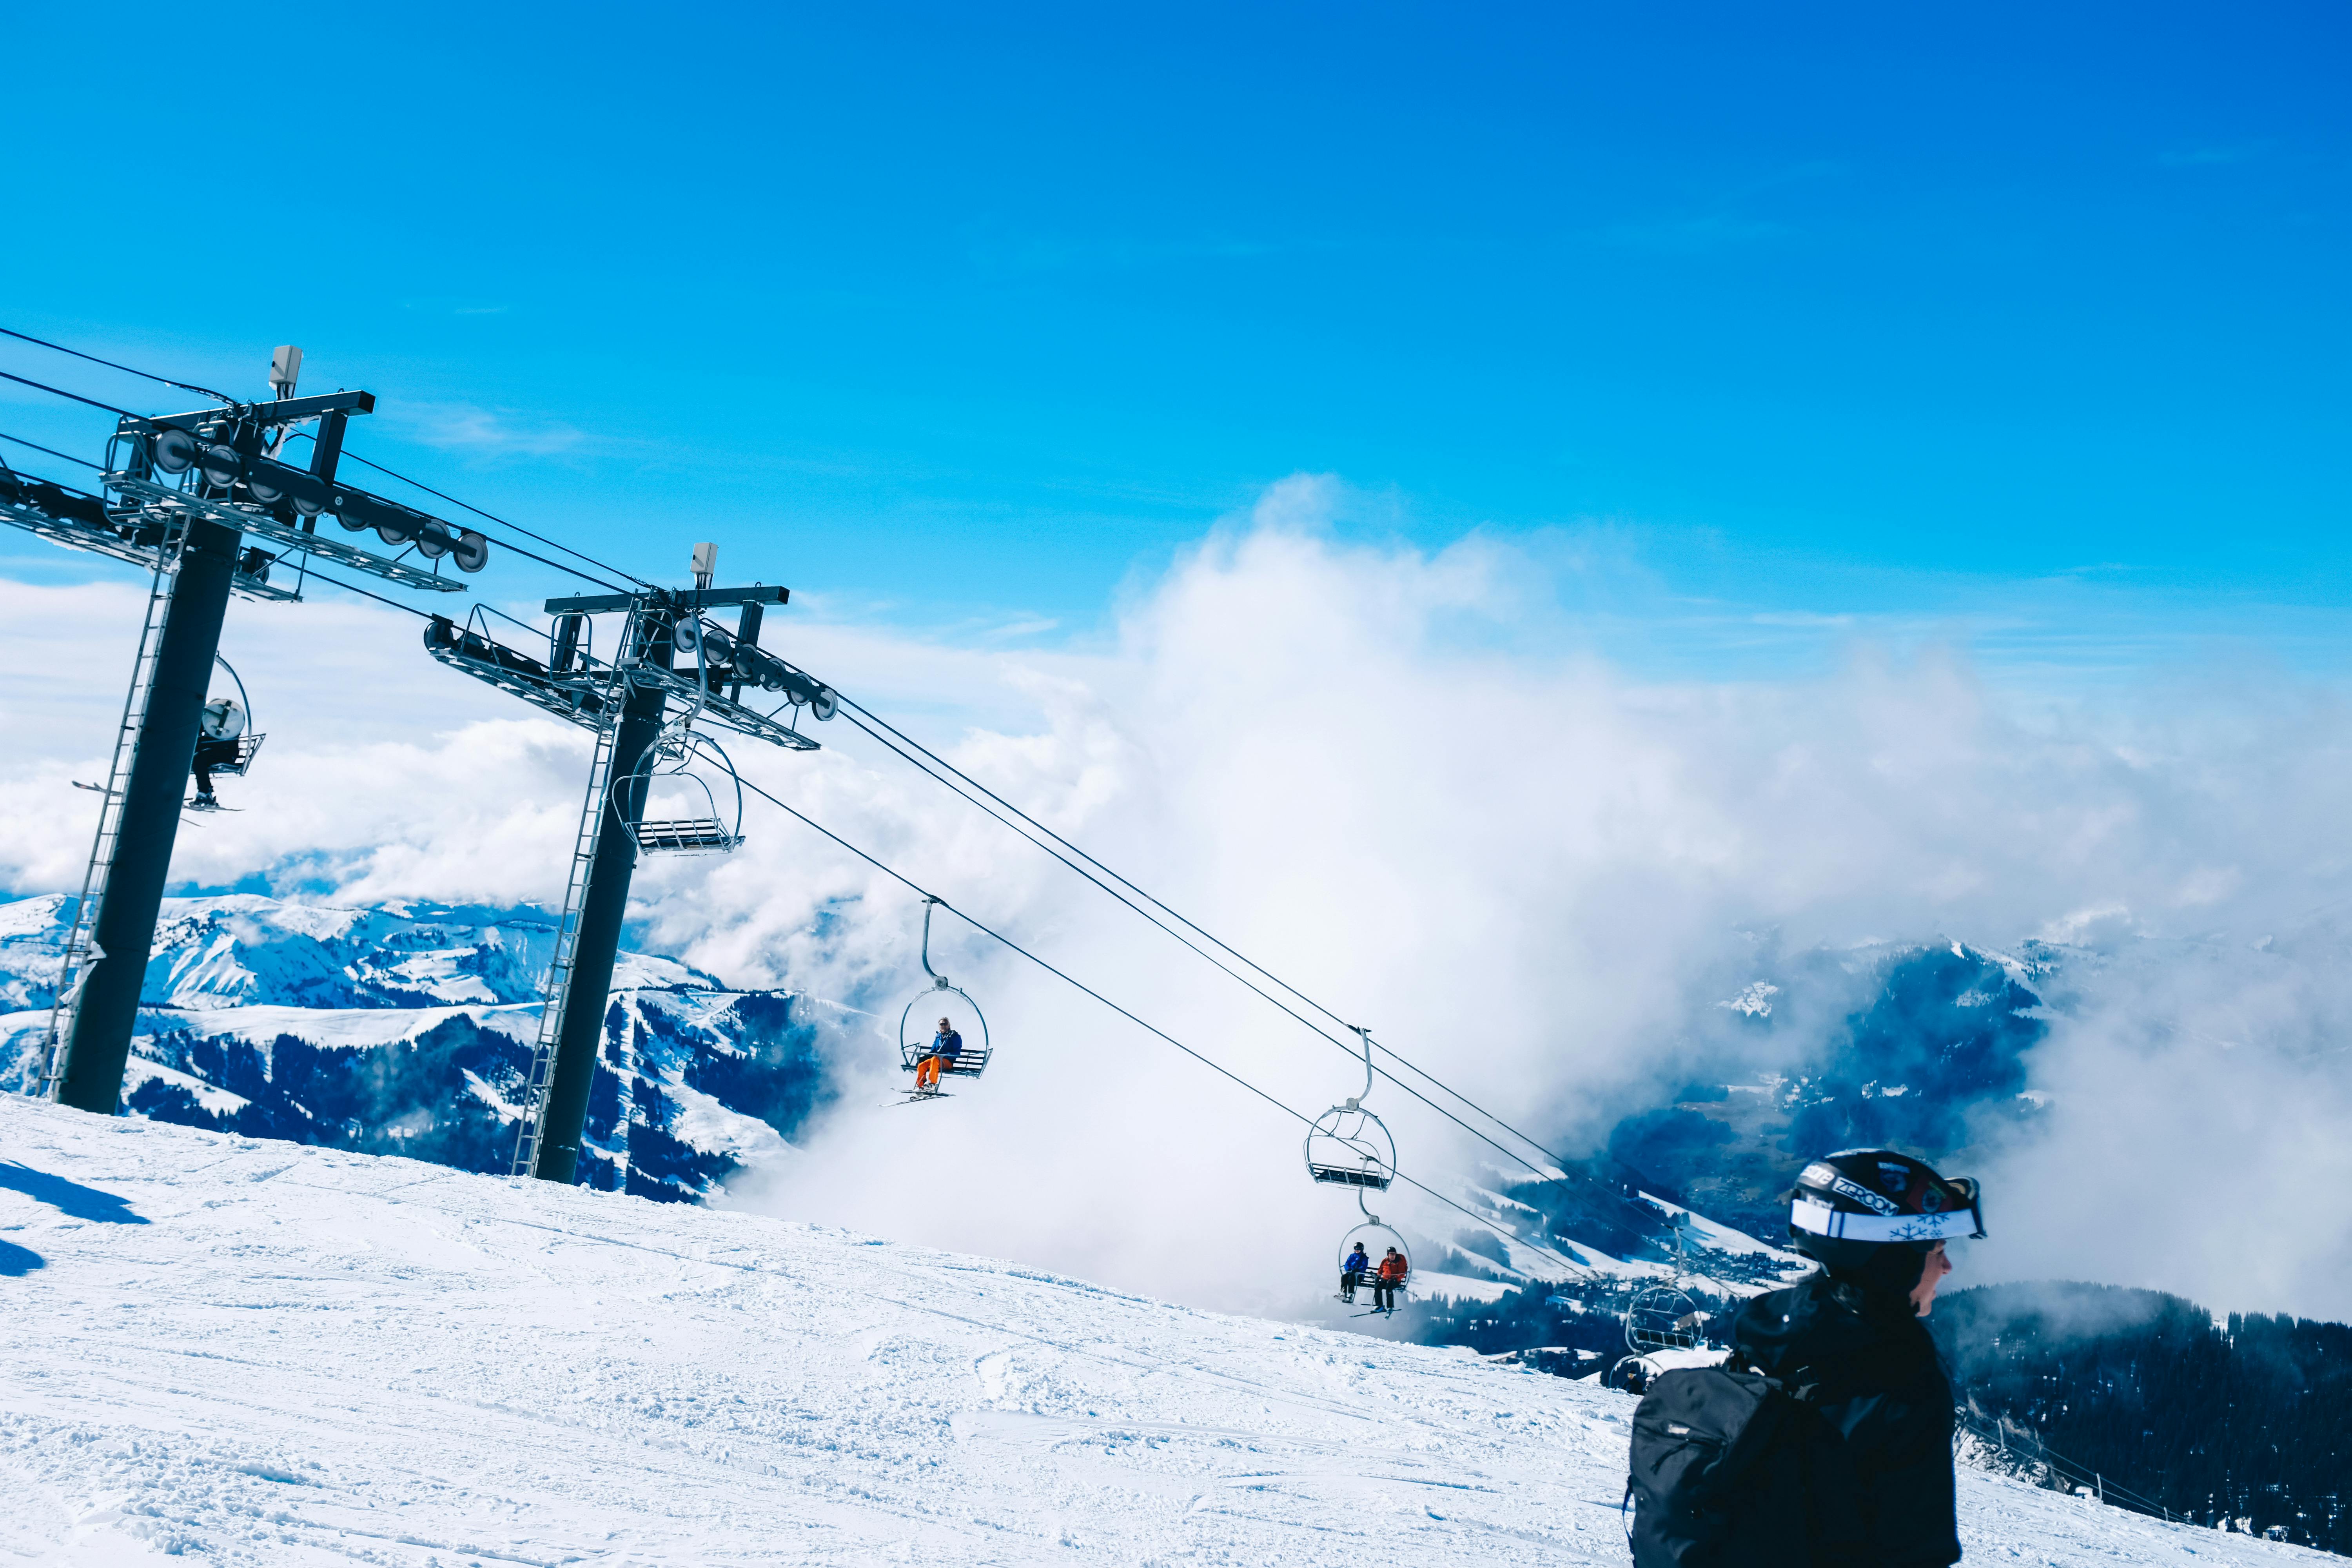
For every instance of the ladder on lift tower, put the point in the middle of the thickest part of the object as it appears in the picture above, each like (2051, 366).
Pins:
(567, 937)
(79, 942)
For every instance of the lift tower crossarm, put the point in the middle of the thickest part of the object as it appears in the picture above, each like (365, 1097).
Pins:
(285, 411)
(668, 599)
(355, 507)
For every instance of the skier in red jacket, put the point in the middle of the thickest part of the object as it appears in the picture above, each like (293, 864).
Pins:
(1387, 1280)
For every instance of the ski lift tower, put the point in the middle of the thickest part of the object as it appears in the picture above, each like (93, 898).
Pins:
(641, 747)
(202, 501)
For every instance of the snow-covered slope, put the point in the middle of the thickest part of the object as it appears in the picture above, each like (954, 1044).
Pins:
(251, 1351)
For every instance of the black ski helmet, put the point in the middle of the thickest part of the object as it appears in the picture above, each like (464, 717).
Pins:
(1862, 1211)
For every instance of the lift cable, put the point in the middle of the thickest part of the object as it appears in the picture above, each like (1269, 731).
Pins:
(354, 456)
(151, 375)
(52, 452)
(505, 522)
(1206, 956)
(61, 391)
(967, 780)
(942, 764)
(501, 543)
(314, 576)
(1215, 1066)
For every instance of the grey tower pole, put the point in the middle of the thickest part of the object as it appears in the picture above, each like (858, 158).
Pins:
(603, 904)
(100, 1045)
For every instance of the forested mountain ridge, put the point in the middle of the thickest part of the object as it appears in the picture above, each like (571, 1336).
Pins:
(2246, 1419)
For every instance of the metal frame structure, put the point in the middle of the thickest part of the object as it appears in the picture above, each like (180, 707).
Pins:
(1373, 1230)
(912, 1048)
(625, 702)
(1663, 1316)
(1348, 1146)
(181, 493)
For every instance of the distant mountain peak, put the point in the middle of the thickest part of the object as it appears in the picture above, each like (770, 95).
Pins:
(407, 1028)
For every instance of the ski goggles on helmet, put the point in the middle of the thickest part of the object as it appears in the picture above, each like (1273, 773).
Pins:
(1934, 1208)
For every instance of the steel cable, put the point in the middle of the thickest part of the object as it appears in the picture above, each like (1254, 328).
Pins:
(128, 369)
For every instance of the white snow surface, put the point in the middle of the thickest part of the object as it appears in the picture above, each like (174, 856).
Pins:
(260, 1352)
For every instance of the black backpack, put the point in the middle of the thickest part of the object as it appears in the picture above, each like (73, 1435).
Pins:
(1723, 1471)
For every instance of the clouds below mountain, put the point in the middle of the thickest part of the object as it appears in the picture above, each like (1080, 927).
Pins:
(1403, 780)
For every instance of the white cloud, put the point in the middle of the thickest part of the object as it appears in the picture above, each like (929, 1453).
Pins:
(474, 431)
(1523, 867)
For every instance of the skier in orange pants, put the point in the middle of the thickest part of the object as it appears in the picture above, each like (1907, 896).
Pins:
(946, 1046)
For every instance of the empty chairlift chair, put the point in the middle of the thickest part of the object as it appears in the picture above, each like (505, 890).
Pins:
(1351, 1147)
(681, 810)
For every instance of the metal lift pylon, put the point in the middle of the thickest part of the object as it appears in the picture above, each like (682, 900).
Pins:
(74, 973)
(185, 495)
(588, 938)
(624, 701)
(130, 864)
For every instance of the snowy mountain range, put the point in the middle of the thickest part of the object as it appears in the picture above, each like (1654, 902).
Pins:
(408, 1028)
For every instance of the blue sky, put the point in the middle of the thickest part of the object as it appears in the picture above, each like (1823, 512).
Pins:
(2026, 322)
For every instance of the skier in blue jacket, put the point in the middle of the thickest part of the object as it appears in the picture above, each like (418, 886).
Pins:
(1352, 1271)
(946, 1046)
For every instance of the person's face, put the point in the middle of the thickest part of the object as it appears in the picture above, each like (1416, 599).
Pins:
(1931, 1274)
(943, 1025)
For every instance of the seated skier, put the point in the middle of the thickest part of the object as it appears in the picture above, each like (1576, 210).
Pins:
(216, 746)
(1388, 1280)
(209, 756)
(946, 1046)
(1352, 1271)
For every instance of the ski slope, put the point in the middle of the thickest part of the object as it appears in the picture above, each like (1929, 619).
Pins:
(258, 1353)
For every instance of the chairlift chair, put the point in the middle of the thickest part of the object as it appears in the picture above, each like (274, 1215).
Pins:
(1348, 1146)
(697, 819)
(1664, 1318)
(226, 742)
(915, 1039)
(1351, 1147)
(1376, 1238)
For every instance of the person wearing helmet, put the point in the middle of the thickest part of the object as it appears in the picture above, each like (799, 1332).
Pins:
(216, 746)
(1849, 1342)
(1387, 1280)
(946, 1047)
(1352, 1270)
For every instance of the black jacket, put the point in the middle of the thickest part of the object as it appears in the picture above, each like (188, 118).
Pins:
(1883, 1496)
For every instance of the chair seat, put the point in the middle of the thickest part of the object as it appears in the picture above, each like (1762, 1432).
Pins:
(685, 835)
(970, 1063)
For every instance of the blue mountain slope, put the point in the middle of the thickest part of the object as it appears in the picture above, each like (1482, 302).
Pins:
(1920, 1047)
(408, 1029)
